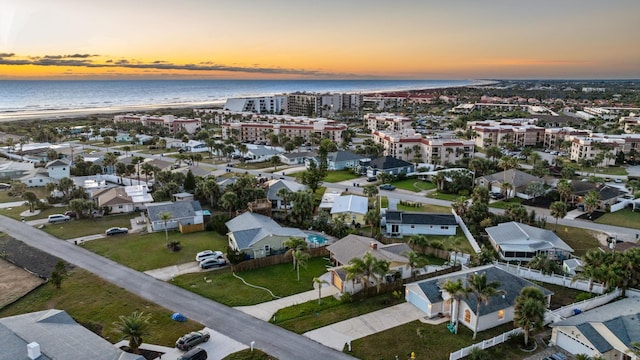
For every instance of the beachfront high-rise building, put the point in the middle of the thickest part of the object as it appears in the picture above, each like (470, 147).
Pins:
(173, 124)
(258, 105)
(303, 104)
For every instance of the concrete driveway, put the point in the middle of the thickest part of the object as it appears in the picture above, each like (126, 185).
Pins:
(169, 272)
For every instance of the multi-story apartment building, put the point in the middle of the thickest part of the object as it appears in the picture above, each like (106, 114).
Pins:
(520, 132)
(406, 144)
(173, 124)
(589, 148)
(554, 137)
(259, 105)
(387, 122)
(261, 131)
(300, 104)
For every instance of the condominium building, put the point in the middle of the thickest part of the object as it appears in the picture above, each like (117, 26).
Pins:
(303, 104)
(408, 145)
(521, 132)
(173, 124)
(554, 137)
(387, 122)
(258, 105)
(261, 131)
(589, 148)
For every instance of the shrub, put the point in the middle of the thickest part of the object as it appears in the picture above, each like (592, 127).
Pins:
(346, 298)
(582, 296)
(174, 246)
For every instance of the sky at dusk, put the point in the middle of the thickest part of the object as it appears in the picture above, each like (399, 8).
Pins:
(329, 39)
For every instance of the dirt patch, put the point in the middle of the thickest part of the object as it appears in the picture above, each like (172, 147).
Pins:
(15, 283)
(147, 354)
(591, 217)
(26, 257)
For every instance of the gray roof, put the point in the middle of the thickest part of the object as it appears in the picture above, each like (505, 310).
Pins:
(277, 184)
(179, 210)
(196, 171)
(515, 177)
(388, 162)
(264, 151)
(514, 236)
(340, 156)
(250, 228)
(57, 162)
(355, 246)
(595, 338)
(295, 155)
(624, 307)
(350, 203)
(511, 284)
(400, 217)
(59, 337)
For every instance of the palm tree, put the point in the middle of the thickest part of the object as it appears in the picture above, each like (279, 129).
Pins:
(439, 179)
(133, 327)
(284, 193)
(31, 198)
(593, 263)
(529, 311)
(318, 281)
(414, 261)
(367, 266)
(591, 201)
(275, 161)
(456, 291)
(506, 189)
(543, 263)
(370, 190)
(565, 190)
(228, 201)
(419, 240)
(558, 210)
(483, 291)
(165, 217)
(372, 218)
(294, 244)
(380, 269)
(301, 259)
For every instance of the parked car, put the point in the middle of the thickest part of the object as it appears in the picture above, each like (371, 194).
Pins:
(71, 214)
(496, 195)
(58, 218)
(387, 187)
(618, 181)
(188, 341)
(208, 254)
(209, 263)
(5, 186)
(194, 354)
(116, 231)
(372, 179)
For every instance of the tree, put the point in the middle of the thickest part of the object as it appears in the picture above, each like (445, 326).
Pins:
(32, 200)
(372, 218)
(302, 206)
(366, 266)
(294, 244)
(301, 259)
(593, 264)
(558, 211)
(165, 217)
(456, 291)
(228, 201)
(58, 274)
(591, 201)
(415, 261)
(493, 152)
(419, 240)
(543, 263)
(439, 179)
(535, 189)
(565, 190)
(506, 188)
(275, 161)
(66, 185)
(314, 175)
(480, 194)
(133, 327)
(483, 290)
(285, 194)
(319, 282)
(189, 181)
(370, 190)
(208, 188)
(107, 140)
(529, 311)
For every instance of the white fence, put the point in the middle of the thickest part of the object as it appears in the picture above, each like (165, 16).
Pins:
(556, 279)
(485, 344)
(576, 308)
(467, 233)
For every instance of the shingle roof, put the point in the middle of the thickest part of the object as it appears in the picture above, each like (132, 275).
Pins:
(178, 210)
(57, 162)
(514, 236)
(350, 203)
(388, 162)
(264, 151)
(340, 156)
(355, 246)
(113, 196)
(250, 228)
(595, 338)
(277, 184)
(400, 217)
(515, 177)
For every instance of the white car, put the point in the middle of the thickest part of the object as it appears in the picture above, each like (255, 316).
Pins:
(208, 254)
(211, 262)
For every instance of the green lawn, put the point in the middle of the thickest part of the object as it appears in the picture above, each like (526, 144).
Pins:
(126, 249)
(340, 175)
(502, 204)
(96, 304)
(614, 170)
(14, 212)
(311, 315)
(581, 240)
(624, 218)
(443, 196)
(384, 202)
(83, 227)
(39, 191)
(280, 279)
(424, 208)
(414, 185)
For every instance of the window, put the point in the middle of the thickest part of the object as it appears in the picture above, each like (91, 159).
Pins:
(444, 228)
(267, 248)
(467, 316)
(413, 226)
(120, 206)
(500, 314)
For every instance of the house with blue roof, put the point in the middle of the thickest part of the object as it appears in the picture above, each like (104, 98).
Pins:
(428, 296)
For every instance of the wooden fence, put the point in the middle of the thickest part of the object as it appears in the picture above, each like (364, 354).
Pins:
(274, 260)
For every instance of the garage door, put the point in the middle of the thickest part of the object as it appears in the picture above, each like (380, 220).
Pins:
(496, 189)
(572, 345)
(418, 302)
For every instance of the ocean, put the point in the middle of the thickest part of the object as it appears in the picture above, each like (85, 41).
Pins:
(20, 99)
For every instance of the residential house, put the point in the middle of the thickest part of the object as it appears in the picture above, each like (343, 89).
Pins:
(519, 180)
(15, 169)
(572, 266)
(183, 196)
(187, 216)
(123, 199)
(353, 207)
(355, 246)
(258, 235)
(195, 170)
(341, 160)
(428, 296)
(607, 195)
(400, 223)
(54, 335)
(606, 332)
(58, 169)
(295, 158)
(259, 153)
(515, 241)
(273, 187)
(51, 173)
(389, 165)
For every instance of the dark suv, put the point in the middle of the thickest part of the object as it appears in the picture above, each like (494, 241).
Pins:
(188, 341)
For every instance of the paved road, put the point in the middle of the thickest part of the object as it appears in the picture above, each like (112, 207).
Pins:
(233, 323)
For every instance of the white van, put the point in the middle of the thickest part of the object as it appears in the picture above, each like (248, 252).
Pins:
(56, 218)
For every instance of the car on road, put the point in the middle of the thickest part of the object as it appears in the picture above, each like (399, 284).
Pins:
(57, 218)
(608, 179)
(71, 214)
(617, 181)
(208, 254)
(209, 263)
(387, 187)
(188, 341)
(116, 231)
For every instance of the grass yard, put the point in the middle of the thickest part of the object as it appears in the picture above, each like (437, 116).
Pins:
(340, 175)
(126, 249)
(424, 208)
(444, 196)
(502, 204)
(280, 279)
(581, 240)
(624, 218)
(384, 202)
(39, 191)
(311, 315)
(14, 212)
(414, 185)
(96, 304)
(613, 170)
(83, 227)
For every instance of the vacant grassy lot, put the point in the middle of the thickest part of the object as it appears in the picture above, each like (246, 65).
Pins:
(311, 315)
(127, 249)
(424, 208)
(414, 185)
(280, 279)
(14, 212)
(39, 191)
(624, 218)
(340, 175)
(96, 304)
(581, 240)
(83, 227)
(502, 204)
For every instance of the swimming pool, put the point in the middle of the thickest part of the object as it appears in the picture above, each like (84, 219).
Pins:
(316, 239)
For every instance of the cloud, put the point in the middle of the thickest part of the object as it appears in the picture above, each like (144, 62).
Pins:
(84, 60)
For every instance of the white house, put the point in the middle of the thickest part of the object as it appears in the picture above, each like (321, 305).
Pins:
(58, 169)
(53, 171)
(400, 223)
(273, 188)
(515, 241)
(353, 206)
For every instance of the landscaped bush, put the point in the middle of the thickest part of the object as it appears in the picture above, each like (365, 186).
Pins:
(174, 246)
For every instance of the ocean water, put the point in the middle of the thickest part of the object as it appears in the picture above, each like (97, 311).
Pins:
(33, 97)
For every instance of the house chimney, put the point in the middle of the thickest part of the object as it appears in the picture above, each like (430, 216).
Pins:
(33, 350)
(373, 246)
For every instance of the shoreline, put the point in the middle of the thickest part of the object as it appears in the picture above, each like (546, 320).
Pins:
(62, 114)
